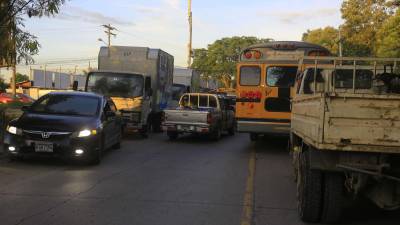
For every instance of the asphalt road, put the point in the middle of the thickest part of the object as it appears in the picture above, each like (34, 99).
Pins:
(191, 181)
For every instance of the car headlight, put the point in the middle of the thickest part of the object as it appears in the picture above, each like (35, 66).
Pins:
(87, 133)
(14, 130)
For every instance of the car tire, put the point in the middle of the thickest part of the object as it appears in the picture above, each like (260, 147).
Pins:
(333, 189)
(253, 137)
(95, 157)
(118, 144)
(309, 190)
(172, 135)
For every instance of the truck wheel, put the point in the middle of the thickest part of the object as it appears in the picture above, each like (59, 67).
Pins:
(332, 198)
(216, 134)
(309, 191)
(172, 135)
(253, 137)
(144, 132)
(231, 131)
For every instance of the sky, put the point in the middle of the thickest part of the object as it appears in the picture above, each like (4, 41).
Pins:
(74, 32)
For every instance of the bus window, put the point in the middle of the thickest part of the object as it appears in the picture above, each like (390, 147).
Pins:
(250, 76)
(281, 76)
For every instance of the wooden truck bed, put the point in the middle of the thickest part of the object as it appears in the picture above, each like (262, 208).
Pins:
(348, 121)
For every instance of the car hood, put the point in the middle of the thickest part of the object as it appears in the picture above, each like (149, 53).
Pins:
(61, 123)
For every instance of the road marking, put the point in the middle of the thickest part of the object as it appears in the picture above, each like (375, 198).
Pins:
(248, 200)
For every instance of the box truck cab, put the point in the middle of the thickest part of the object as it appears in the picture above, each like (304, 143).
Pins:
(139, 80)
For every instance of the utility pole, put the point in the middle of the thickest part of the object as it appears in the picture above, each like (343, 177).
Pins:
(190, 52)
(340, 42)
(109, 32)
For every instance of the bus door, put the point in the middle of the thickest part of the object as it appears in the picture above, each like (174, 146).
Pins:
(279, 81)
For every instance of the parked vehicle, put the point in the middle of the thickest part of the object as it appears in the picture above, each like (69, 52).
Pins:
(187, 77)
(139, 81)
(73, 125)
(202, 114)
(345, 135)
(8, 98)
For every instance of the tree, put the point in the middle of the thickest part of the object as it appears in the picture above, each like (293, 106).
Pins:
(17, 45)
(219, 60)
(327, 37)
(21, 77)
(388, 44)
(362, 21)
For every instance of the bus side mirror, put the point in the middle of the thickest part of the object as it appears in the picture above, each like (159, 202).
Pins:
(75, 85)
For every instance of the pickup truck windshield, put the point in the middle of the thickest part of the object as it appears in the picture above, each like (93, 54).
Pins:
(116, 84)
(67, 105)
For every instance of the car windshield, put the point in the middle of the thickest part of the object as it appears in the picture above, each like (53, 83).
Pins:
(67, 105)
(116, 84)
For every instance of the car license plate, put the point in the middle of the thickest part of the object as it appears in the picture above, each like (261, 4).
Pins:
(43, 147)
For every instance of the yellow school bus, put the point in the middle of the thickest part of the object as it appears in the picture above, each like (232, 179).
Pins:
(266, 75)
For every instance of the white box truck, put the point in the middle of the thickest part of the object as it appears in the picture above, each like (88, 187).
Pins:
(138, 80)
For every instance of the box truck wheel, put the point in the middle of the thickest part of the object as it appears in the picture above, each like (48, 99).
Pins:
(309, 190)
(254, 136)
(332, 198)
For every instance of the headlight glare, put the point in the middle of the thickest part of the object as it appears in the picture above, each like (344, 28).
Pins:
(84, 133)
(87, 133)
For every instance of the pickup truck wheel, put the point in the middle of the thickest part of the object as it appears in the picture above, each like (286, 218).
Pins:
(172, 135)
(332, 198)
(309, 191)
(231, 131)
(253, 137)
(216, 134)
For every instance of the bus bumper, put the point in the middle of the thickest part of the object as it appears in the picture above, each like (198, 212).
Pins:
(262, 127)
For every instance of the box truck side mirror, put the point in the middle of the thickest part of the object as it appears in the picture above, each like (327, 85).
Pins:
(147, 86)
(75, 85)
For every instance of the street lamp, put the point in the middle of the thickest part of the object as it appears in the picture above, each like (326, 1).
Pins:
(101, 40)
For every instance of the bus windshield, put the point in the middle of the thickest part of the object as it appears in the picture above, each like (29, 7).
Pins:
(116, 84)
(281, 76)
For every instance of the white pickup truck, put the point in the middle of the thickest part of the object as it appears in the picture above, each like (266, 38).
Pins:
(200, 113)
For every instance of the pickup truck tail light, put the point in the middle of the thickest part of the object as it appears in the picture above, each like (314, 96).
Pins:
(209, 118)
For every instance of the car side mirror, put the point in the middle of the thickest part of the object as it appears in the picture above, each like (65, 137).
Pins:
(25, 108)
(110, 114)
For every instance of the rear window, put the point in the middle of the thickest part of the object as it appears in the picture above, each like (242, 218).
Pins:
(195, 101)
(281, 76)
(344, 78)
(67, 105)
(250, 76)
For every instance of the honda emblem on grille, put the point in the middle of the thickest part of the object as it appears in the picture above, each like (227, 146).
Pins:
(45, 135)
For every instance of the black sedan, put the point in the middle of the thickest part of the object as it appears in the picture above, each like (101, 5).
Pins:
(74, 125)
